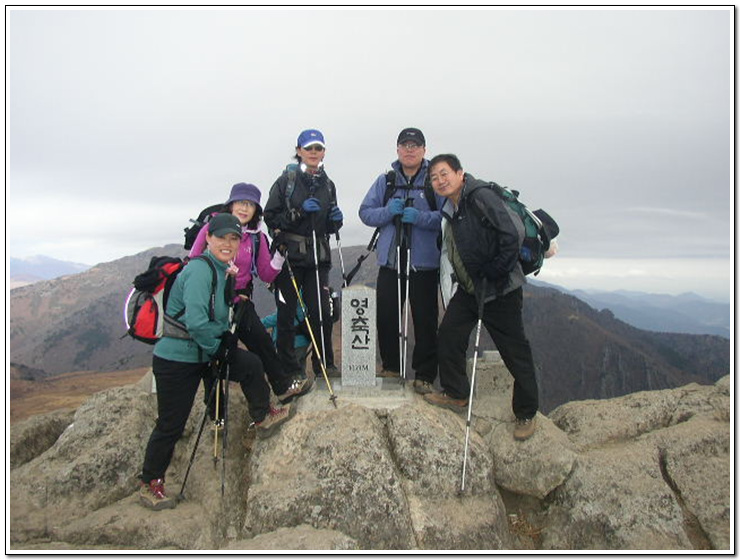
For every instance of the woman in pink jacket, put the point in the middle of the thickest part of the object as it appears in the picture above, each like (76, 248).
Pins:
(244, 203)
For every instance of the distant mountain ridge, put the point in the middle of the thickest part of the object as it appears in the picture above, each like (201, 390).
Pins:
(75, 323)
(685, 313)
(40, 267)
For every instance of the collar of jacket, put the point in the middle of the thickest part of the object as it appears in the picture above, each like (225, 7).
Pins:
(396, 166)
(222, 265)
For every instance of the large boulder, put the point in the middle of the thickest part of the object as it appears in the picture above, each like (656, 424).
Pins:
(30, 438)
(302, 537)
(615, 499)
(695, 463)
(331, 469)
(533, 467)
(653, 472)
(428, 446)
(593, 423)
(93, 463)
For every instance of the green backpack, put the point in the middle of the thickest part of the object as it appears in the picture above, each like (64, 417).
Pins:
(539, 228)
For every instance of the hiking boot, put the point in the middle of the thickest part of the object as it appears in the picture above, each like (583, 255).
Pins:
(388, 373)
(445, 401)
(423, 387)
(152, 495)
(272, 421)
(296, 389)
(524, 428)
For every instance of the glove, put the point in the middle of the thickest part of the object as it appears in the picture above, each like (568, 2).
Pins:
(226, 350)
(495, 277)
(395, 206)
(336, 214)
(279, 244)
(311, 205)
(410, 215)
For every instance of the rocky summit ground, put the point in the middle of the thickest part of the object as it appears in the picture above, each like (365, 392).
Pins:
(646, 471)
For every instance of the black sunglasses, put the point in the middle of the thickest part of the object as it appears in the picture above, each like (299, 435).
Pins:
(314, 148)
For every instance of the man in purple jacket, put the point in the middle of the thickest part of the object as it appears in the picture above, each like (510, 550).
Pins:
(398, 205)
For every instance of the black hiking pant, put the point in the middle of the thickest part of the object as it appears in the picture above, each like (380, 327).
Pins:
(287, 305)
(255, 337)
(424, 312)
(177, 384)
(502, 318)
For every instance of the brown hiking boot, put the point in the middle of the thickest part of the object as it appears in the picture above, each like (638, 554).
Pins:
(524, 428)
(152, 495)
(272, 421)
(445, 401)
(423, 387)
(298, 387)
(388, 373)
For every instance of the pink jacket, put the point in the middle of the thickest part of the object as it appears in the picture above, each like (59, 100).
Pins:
(268, 266)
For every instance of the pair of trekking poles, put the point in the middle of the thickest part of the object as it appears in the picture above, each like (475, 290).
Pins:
(220, 371)
(320, 353)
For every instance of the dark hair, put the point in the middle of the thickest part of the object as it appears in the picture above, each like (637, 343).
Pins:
(450, 159)
(255, 221)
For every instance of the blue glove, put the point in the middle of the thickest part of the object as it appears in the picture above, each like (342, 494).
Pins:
(395, 206)
(410, 215)
(311, 205)
(336, 214)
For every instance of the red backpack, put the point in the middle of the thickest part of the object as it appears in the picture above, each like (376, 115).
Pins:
(144, 310)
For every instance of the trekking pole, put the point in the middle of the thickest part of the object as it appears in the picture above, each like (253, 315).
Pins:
(214, 387)
(332, 396)
(341, 258)
(218, 409)
(407, 302)
(399, 233)
(370, 248)
(481, 302)
(226, 431)
(215, 366)
(322, 357)
(236, 319)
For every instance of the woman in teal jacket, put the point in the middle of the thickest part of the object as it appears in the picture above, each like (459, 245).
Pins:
(179, 364)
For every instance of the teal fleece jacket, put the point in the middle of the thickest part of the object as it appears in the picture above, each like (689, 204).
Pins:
(192, 291)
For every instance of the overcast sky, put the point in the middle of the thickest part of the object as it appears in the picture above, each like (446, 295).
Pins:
(123, 123)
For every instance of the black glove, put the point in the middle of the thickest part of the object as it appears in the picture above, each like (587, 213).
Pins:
(279, 244)
(227, 349)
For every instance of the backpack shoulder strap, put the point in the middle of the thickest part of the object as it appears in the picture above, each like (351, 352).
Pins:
(255, 252)
(429, 194)
(291, 172)
(390, 186)
(214, 281)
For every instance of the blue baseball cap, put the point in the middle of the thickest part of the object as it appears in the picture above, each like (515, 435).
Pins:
(310, 137)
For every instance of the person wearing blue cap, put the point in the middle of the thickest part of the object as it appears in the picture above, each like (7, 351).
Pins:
(302, 212)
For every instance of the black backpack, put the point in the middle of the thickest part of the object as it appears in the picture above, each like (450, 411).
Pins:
(191, 232)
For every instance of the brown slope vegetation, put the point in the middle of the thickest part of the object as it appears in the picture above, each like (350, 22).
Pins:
(29, 398)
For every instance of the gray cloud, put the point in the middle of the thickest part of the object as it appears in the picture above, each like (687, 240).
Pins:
(590, 113)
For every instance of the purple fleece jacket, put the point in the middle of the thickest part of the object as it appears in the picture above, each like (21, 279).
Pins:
(268, 266)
